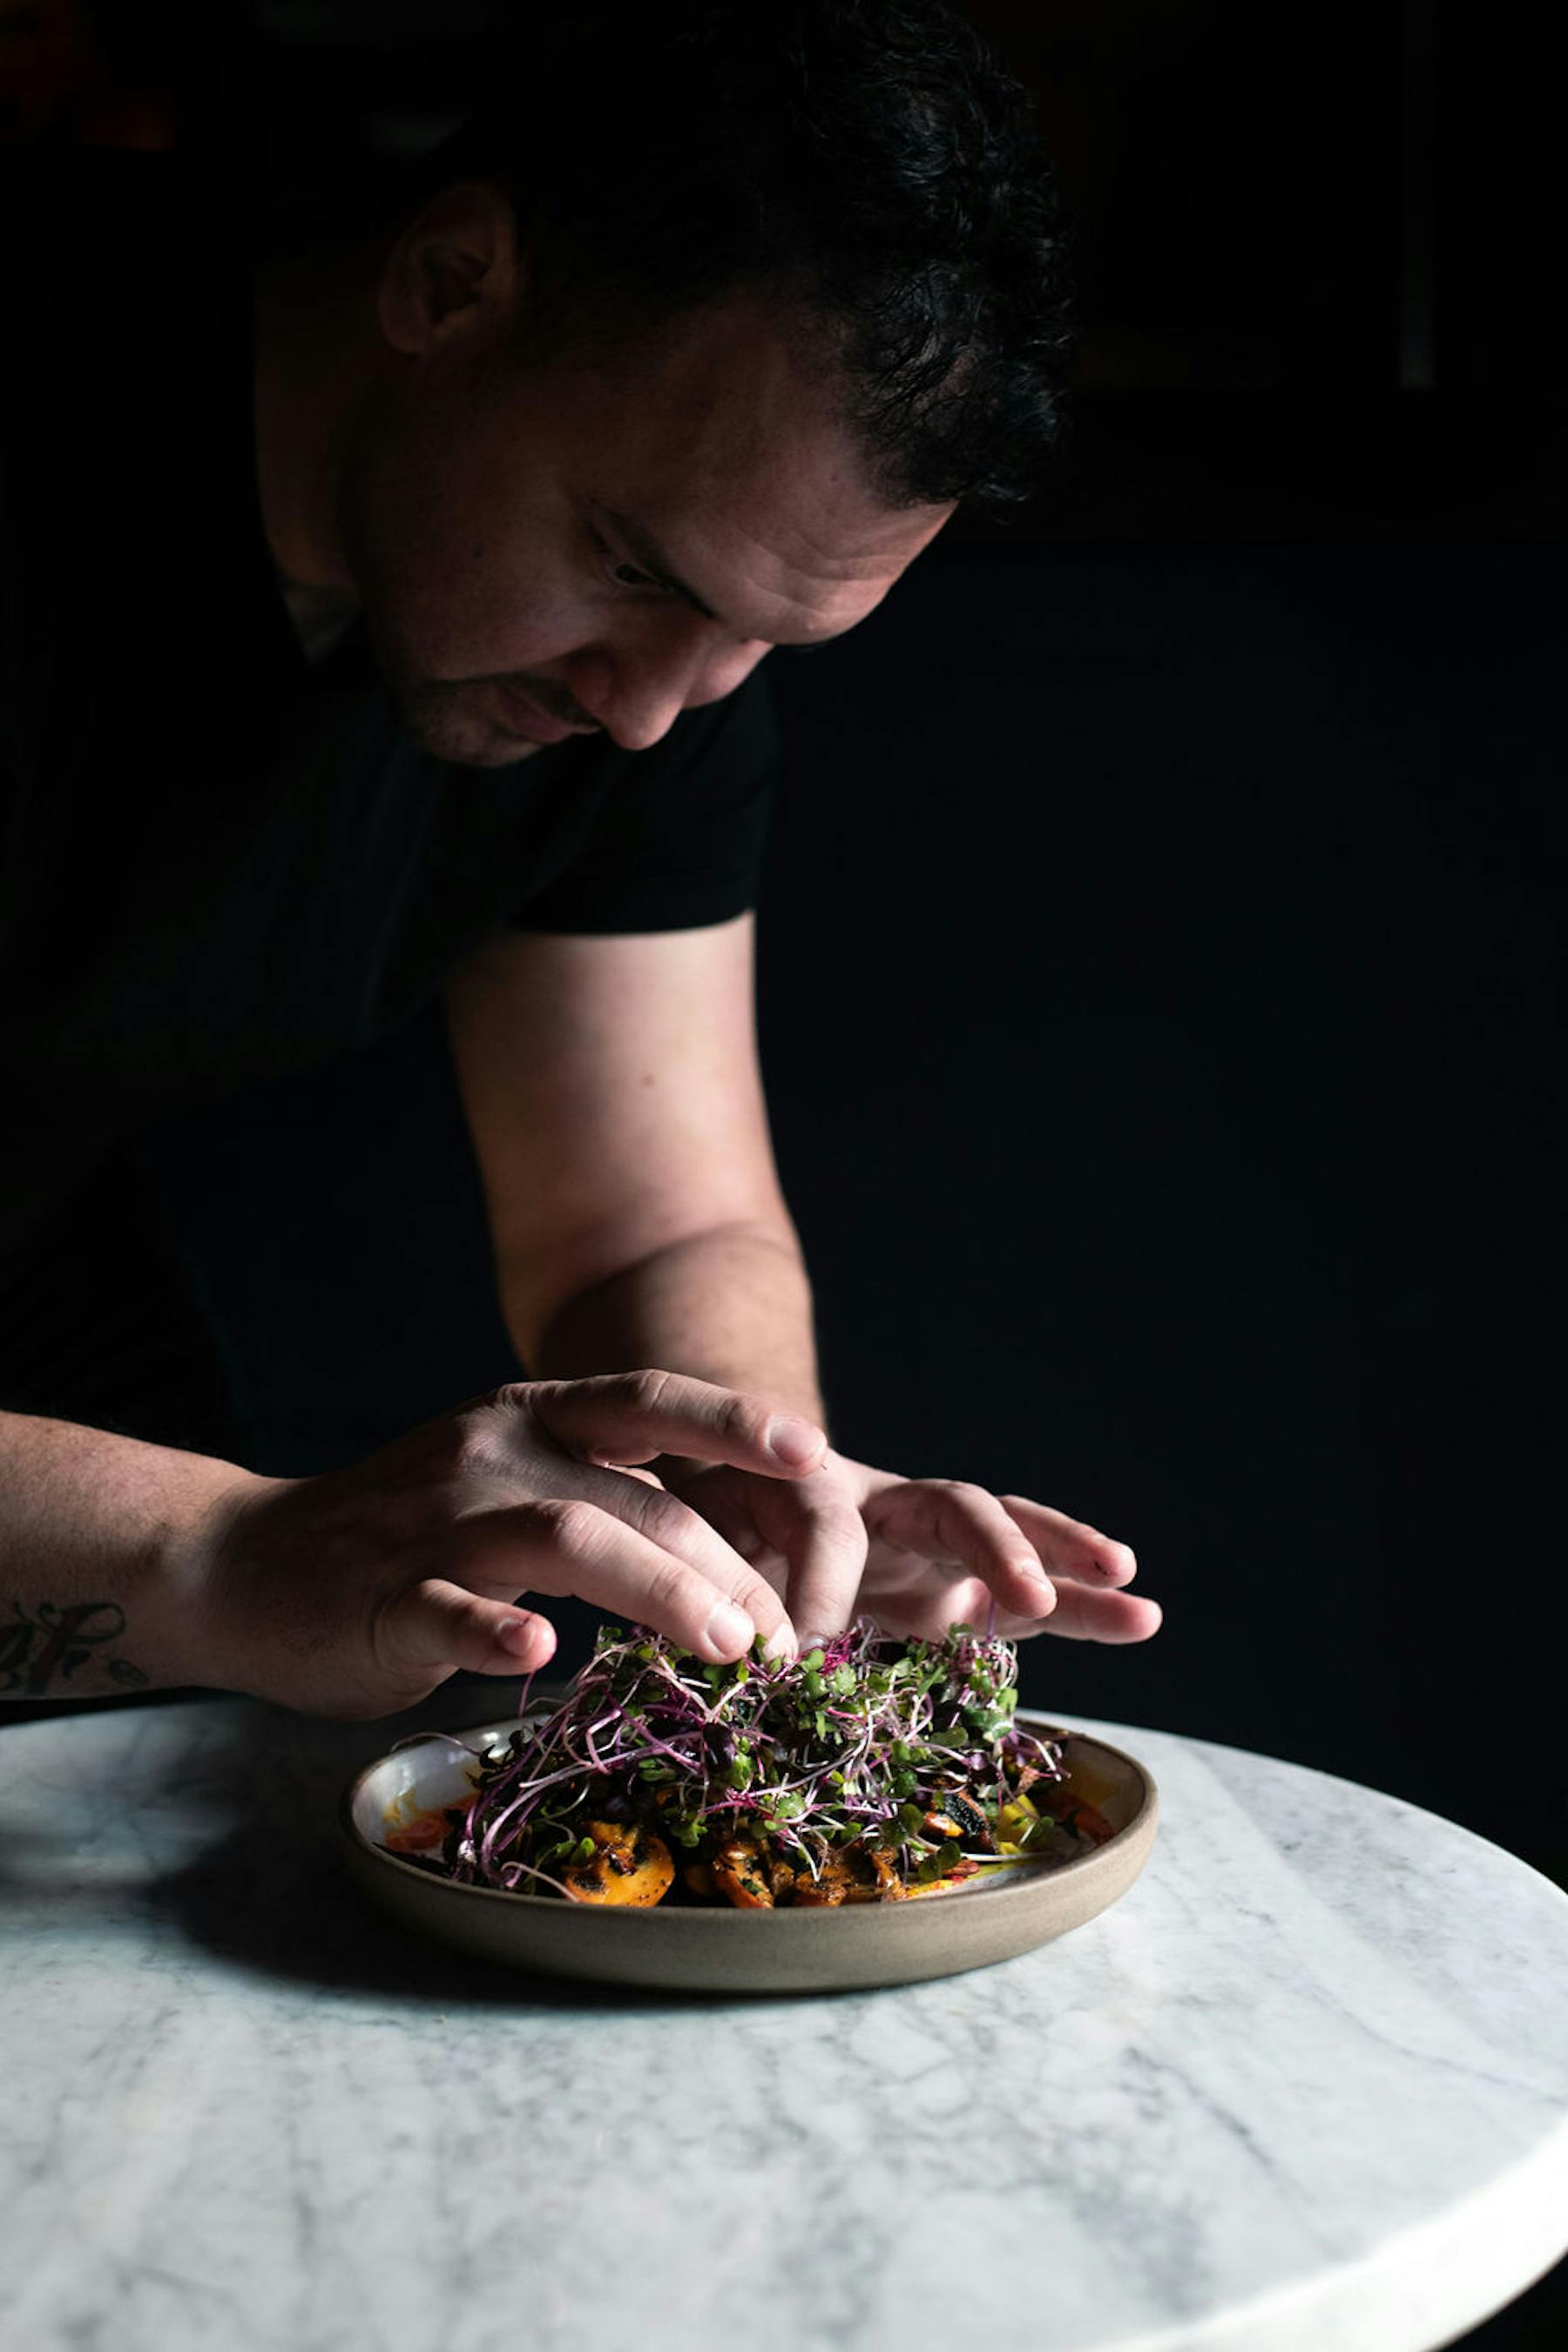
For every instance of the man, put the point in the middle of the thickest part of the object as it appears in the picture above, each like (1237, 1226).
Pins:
(681, 358)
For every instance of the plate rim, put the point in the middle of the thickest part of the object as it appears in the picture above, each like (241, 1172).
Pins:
(1084, 1865)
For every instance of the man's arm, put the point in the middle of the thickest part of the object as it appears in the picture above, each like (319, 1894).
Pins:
(95, 1539)
(614, 1096)
(124, 1565)
(613, 1092)
(649, 1233)
(617, 1112)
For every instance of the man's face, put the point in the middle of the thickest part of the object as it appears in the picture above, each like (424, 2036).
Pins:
(577, 546)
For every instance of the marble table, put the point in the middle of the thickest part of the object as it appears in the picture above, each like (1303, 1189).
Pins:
(1305, 2089)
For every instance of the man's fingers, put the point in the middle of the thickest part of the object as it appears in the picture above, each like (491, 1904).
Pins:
(940, 1519)
(619, 1540)
(1081, 1613)
(670, 1523)
(572, 1547)
(1068, 1547)
(632, 1416)
(824, 1542)
(433, 1628)
(927, 1609)
(625, 1492)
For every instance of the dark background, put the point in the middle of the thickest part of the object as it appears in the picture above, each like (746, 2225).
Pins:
(1162, 942)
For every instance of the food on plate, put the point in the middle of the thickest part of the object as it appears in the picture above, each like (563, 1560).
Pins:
(869, 1770)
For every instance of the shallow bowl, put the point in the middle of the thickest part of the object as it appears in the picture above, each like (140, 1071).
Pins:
(692, 1949)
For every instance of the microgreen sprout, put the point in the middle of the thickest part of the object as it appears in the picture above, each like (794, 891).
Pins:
(865, 1741)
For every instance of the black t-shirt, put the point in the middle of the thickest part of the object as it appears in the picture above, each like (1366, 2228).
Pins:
(222, 863)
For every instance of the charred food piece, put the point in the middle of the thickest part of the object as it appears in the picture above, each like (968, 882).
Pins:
(855, 1874)
(820, 1893)
(869, 1876)
(741, 1875)
(780, 1879)
(958, 1819)
(629, 1864)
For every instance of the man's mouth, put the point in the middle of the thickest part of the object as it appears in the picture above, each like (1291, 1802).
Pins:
(531, 721)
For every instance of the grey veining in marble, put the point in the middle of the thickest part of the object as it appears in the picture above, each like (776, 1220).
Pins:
(1304, 2090)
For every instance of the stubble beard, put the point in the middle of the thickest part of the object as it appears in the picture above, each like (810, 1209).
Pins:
(443, 717)
(445, 721)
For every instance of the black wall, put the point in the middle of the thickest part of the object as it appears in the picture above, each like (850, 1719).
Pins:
(1159, 950)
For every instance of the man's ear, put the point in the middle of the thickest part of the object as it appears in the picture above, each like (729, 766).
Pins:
(456, 269)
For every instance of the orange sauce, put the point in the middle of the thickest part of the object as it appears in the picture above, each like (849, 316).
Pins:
(420, 1831)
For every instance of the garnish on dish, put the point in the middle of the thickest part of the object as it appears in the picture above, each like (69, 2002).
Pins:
(869, 1770)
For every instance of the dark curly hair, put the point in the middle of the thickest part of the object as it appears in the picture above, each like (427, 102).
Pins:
(870, 157)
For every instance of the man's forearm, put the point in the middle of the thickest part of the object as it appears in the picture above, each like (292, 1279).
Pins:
(93, 1528)
(732, 1306)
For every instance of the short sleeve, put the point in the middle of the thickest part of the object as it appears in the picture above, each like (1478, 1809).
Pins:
(678, 834)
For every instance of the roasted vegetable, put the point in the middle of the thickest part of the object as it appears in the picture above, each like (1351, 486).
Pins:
(619, 1862)
(739, 1874)
(855, 1874)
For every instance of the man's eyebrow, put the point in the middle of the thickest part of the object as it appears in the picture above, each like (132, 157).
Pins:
(644, 547)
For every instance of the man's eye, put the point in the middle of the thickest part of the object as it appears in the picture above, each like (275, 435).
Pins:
(618, 569)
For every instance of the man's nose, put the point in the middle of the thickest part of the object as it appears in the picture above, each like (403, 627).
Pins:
(636, 695)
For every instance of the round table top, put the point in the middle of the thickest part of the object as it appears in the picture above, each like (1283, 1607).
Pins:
(1304, 2089)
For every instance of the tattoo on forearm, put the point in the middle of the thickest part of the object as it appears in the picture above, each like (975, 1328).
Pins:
(40, 1652)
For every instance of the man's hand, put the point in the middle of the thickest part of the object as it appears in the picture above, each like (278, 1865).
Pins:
(356, 1593)
(920, 1554)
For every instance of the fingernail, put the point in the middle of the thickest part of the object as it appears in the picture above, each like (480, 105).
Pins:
(795, 1442)
(728, 1631)
(522, 1634)
(1044, 1591)
(782, 1648)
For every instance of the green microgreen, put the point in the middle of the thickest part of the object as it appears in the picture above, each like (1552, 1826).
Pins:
(857, 1742)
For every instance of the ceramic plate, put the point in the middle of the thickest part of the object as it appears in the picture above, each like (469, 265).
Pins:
(727, 1951)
